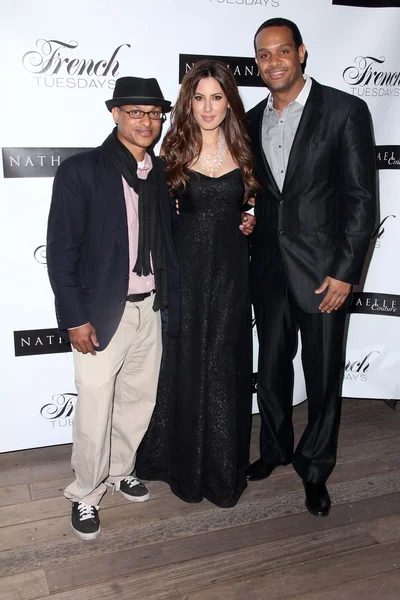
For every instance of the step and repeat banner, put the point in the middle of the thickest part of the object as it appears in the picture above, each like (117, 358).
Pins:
(60, 62)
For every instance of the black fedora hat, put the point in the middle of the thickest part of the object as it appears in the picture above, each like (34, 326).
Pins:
(136, 90)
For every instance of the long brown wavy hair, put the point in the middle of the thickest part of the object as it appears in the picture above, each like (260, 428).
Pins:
(183, 142)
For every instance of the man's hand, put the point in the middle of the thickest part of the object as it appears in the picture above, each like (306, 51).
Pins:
(336, 294)
(248, 223)
(84, 339)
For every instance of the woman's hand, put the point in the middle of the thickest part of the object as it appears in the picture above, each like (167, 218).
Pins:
(248, 223)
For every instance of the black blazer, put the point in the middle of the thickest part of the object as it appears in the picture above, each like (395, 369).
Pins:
(87, 245)
(321, 224)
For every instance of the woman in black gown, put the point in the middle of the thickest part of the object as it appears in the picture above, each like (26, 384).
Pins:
(198, 439)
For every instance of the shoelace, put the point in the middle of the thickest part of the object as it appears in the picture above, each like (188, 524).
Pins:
(130, 480)
(86, 511)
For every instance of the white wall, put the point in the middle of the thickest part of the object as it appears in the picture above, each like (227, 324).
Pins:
(54, 111)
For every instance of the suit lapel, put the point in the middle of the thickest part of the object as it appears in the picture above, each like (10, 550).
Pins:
(113, 195)
(309, 119)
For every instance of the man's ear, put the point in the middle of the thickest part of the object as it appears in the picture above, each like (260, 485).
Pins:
(115, 114)
(302, 53)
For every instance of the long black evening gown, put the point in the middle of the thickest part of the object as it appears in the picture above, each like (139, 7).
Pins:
(198, 439)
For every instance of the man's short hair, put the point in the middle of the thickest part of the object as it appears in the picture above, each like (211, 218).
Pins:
(281, 22)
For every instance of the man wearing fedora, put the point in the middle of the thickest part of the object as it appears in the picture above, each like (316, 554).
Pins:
(112, 266)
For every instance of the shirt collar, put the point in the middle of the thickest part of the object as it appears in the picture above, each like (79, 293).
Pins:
(305, 92)
(301, 98)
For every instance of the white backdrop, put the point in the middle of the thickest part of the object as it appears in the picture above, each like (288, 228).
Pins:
(53, 100)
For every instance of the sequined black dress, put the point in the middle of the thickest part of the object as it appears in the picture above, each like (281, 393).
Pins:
(198, 439)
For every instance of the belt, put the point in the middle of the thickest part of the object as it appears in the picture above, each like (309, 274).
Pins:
(139, 297)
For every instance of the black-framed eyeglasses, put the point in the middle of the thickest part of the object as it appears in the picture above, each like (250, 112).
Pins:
(135, 113)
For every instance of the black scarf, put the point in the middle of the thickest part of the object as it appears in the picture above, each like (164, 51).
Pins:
(151, 235)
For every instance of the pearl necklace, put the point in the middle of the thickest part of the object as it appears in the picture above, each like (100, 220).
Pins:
(211, 163)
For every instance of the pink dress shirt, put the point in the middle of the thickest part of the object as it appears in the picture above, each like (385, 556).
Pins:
(137, 283)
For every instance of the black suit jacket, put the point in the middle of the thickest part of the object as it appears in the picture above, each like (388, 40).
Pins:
(321, 224)
(87, 245)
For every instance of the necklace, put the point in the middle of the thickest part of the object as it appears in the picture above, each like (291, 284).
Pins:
(211, 163)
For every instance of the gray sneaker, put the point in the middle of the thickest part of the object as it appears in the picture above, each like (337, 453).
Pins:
(132, 489)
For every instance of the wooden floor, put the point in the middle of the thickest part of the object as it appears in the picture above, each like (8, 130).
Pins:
(266, 548)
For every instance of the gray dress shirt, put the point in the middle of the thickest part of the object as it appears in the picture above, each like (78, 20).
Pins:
(278, 132)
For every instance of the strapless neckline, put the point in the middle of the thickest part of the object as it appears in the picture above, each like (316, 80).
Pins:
(209, 177)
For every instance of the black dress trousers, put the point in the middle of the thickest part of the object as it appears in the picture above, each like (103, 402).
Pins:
(278, 321)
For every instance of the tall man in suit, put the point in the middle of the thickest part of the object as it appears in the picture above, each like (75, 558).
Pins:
(314, 154)
(112, 266)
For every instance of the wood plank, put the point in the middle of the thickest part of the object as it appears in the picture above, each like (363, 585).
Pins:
(363, 404)
(353, 431)
(41, 472)
(14, 494)
(239, 548)
(38, 464)
(19, 513)
(58, 506)
(357, 469)
(385, 586)
(34, 456)
(274, 485)
(175, 546)
(346, 489)
(57, 528)
(118, 521)
(382, 440)
(51, 507)
(386, 529)
(275, 529)
(350, 406)
(344, 471)
(24, 586)
(369, 432)
(32, 535)
(282, 584)
(353, 415)
(378, 448)
(355, 421)
(354, 418)
(55, 488)
(350, 470)
(128, 525)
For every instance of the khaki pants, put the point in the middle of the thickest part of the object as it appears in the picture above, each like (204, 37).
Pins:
(116, 396)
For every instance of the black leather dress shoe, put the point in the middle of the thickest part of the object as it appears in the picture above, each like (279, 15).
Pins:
(318, 501)
(259, 470)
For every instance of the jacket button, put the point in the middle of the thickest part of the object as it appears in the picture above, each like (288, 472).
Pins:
(281, 232)
(122, 302)
(280, 202)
